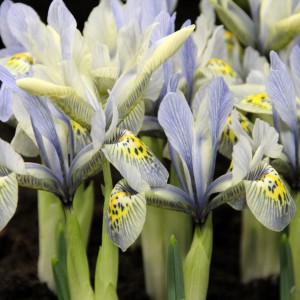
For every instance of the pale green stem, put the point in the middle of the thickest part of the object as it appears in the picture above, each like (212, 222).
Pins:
(197, 263)
(83, 205)
(50, 215)
(259, 249)
(106, 275)
(77, 263)
(294, 234)
(160, 224)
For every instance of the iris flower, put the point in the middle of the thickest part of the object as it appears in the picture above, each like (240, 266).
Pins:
(284, 93)
(16, 56)
(261, 30)
(193, 139)
(62, 170)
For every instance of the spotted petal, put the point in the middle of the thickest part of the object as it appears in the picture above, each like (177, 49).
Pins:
(124, 147)
(268, 198)
(255, 103)
(8, 198)
(125, 216)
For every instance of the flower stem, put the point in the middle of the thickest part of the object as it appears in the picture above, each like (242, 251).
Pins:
(106, 275)
(50, 215)
(294, 232)
(77, 263)
(197, 264)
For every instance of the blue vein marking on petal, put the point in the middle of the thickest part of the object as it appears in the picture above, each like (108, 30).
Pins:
(42, 122)
(176, 163)
(176, 119)
(188, 54)
(220, 106)
(215, 185)
(186, 199)
(74, 164)
(280, 89)
(64, 23)
(34, 166)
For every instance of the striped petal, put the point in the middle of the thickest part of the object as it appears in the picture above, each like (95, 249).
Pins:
(64, 97)
(10, 161)
(268, 198)
(124, 147)
(281, 91)
(220, 106)
(134, 117)
(60, 18)
(81, 136)
(125, 216)
(8, 198)
(170, 197)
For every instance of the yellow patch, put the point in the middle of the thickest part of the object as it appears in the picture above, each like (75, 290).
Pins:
(220, 67)
(229, 39)
(245, 123)
(228, 138)
(132, 146)
(118, 208)
(19, 64)
(81, 136)
(273, 188)
(260, 101)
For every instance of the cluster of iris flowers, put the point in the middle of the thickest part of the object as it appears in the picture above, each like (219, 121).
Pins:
(159, 105)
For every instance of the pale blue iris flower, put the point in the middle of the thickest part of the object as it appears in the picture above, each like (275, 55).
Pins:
(16, 56)
(63, 169)
(193, 140)
(283, 90)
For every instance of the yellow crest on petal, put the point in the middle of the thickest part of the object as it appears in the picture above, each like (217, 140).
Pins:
(258, 103)
(81, 136)
(220, 68)
(19, 64)
(268, 198)
(126, 215)
(134, 146)
(125, 147)
(228, 138)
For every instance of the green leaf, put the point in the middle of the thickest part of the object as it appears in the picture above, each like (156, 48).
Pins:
(59, 266)
(287, 285)
(61, 281)
(175, 272)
